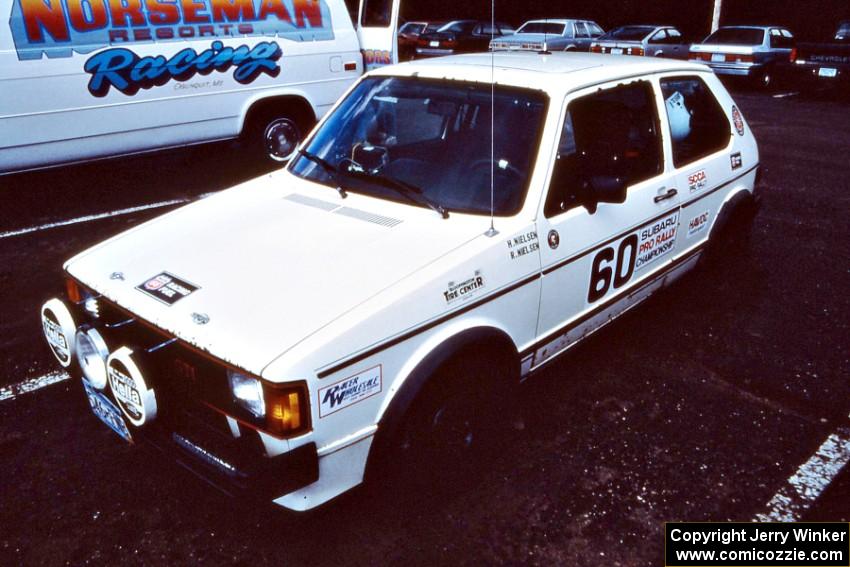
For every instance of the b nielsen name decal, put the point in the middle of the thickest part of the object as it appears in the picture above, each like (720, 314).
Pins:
(347, 392)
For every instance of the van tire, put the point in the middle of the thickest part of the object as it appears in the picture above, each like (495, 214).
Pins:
(275, 131)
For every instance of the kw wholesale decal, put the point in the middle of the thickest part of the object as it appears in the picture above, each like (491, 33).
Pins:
(61, 28)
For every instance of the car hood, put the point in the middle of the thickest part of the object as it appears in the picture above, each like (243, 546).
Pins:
(274, 261)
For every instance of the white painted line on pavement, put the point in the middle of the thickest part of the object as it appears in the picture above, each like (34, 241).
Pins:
(12, 391)
(89, 218)
(784, 95)
(810, 480)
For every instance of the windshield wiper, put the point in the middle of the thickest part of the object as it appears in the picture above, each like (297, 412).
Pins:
(413, 193)
(328, 168)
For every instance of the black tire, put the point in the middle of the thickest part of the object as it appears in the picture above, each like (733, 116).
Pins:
(731, 235)
(275, 133)
(764, 80)
(449, 430)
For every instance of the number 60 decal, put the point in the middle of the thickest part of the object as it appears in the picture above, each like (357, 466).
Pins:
(603, 274)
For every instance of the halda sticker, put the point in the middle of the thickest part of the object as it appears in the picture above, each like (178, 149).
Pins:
(736, 160)
(167, 288)
(697, 181)
(461, 290)
(698, 223)
(347, 392)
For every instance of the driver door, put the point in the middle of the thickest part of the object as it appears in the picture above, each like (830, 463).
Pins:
(377, 31)
(597, 253)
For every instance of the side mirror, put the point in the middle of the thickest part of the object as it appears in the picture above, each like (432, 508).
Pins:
(608, 189)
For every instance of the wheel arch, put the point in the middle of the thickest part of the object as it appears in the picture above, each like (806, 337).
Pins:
(263, 102)
(484, 340)
(740, 200)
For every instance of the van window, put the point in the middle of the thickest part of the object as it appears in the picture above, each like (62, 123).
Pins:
(698, 125)
(612, 133)
(377, 13)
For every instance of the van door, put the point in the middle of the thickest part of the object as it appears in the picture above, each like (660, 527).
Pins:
(377, 27)
(609, 223)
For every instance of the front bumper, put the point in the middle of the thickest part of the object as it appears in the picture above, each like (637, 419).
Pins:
(226, 453)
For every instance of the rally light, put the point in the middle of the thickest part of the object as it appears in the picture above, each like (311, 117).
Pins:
(247, 392)
(92, 354)
(59, 329)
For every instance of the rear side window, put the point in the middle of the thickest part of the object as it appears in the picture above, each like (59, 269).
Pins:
(377, 13)
(780, 40)
(581, 30)
(611, 133)
(698, 125)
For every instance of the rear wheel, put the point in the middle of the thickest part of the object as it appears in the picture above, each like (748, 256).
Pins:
(764, 79)
(275, 132)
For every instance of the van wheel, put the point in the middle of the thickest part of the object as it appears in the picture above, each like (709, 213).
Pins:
(281, 137)
(276, 134)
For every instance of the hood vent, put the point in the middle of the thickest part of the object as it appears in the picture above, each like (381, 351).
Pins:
(349, 212)
(389, 222)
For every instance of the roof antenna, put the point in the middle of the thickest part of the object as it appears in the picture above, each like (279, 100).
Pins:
(491, 232)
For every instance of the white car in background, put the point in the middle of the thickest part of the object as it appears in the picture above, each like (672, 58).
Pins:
(357, 307)
(550, 34)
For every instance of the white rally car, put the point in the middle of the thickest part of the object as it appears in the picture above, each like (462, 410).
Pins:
(279, 335)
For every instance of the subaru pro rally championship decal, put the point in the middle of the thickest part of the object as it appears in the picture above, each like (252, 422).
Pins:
(60, 28)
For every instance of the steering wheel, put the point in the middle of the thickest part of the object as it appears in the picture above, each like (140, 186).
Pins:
(478, 164)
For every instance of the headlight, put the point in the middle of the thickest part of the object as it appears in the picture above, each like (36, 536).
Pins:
(248, 393)
(92, 353)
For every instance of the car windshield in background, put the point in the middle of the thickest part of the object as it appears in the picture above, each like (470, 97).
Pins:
(411, 28)
(457, 27)
(542, 27)
(736, 36)
(843, 32)
(427, 142)
(629, 33)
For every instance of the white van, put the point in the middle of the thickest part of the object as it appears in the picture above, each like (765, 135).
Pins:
(86, 79)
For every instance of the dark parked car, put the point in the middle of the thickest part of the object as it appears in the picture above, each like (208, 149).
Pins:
(651, 41)
(825, 64)
(758, 53)
(408, 35)
(460, 36)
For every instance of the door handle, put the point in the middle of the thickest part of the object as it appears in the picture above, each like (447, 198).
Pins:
(664, 196)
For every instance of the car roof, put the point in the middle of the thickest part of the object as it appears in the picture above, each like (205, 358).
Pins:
(749, 27)
(552, 21)
(559, 72)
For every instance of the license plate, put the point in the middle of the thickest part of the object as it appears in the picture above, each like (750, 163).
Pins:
(616, 51)
(106, 411)
(718, 57)
(827, 72)
(434, 44)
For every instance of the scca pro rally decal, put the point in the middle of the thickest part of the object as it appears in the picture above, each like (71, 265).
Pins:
(58, 28)
(347, 392)
(122, 69)
(167, 288)
(615, 265)
(697, 181)
(456, 291)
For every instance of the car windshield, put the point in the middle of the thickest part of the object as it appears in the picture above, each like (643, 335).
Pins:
(433, 138)
(411, 27)
(629, 33)
(843, 32)
(736, 36)
(457, 27)
(542, 27)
